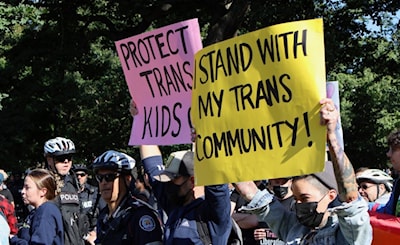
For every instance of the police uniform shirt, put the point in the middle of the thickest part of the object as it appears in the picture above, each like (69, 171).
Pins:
(134, 222)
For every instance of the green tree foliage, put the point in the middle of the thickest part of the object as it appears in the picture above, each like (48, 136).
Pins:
(60, 74)
(370, 101)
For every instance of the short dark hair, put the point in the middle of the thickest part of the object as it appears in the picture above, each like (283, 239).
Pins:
(393, 139)
(323, 189)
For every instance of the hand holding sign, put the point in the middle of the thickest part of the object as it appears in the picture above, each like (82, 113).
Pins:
(133, 108)
(329, 117)
(329, 114)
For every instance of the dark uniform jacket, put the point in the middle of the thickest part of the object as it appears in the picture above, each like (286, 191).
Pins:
(91, 204)
(134, 222)
(69, 205)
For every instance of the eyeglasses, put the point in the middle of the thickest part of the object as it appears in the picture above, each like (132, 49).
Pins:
(62, 158)
(364, 187)
(80, 174)
(108, 177)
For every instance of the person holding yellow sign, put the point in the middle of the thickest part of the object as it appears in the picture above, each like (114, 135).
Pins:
(328, 208)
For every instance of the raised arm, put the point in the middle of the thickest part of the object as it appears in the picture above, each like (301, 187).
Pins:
(149, 151)
(344, 172)
(246, 189)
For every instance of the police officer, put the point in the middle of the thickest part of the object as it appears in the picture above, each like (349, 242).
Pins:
(90, 199)
(58, 153)
(125, 219)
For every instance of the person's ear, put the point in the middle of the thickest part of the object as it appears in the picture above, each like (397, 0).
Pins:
(382, 188)
(43, 192)
(332, 194)
(191, 179)
(128, 178)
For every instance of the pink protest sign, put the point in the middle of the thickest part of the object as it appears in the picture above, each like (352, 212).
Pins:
(158, 68)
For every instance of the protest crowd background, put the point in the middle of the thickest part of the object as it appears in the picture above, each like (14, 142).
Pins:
(64, 81)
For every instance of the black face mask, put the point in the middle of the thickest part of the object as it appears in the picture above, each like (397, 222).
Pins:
(307, 213)
(280, 191)
(172, 191)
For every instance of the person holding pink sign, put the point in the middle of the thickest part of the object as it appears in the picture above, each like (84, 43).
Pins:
(191, 220)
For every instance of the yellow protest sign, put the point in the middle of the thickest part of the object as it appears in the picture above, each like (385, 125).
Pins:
(255, 105)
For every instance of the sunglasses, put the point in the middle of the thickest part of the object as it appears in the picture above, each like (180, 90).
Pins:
(62, 158)
(80, 174)
(107, 177)
(364, 187)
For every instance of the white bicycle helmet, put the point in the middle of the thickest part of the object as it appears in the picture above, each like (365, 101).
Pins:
(59, 146)
(114, 160)
(377, 176)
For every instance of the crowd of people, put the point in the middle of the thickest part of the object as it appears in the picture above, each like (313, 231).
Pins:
(157, 202)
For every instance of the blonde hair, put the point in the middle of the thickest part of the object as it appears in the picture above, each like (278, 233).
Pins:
(44, 179)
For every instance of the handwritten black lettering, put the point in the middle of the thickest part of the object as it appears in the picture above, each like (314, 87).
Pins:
(168, 79)
(270, 91)
(266, 137)
(225, 61)
(269, 47)
(207, 105)
(153, 47)
(160, 121)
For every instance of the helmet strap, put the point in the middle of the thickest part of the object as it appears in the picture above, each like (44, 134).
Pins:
(125, 182)
(377, 191)
(50, 167)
